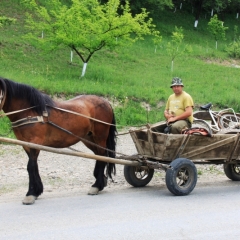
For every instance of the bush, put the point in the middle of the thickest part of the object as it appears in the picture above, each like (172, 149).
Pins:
(233, 49)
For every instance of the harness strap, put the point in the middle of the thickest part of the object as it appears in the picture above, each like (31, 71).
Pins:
(82, 115)
(27, 120)
(13, 112)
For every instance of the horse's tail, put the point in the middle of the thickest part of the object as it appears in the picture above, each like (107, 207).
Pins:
(111, 145)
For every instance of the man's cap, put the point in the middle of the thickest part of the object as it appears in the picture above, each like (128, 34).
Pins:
(176, 81)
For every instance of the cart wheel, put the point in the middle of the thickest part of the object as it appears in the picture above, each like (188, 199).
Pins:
(181, 178)
(137, 176)
(232, 171)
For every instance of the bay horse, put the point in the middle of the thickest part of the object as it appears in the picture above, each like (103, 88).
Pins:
(37, 118)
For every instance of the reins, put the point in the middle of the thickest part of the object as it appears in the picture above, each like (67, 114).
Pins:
(83, 139)
(82, 115)
(13, 112)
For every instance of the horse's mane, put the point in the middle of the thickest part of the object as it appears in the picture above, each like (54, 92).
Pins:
(25, 92)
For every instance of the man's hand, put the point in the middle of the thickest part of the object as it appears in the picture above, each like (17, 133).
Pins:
(172, 119)
(168, 115)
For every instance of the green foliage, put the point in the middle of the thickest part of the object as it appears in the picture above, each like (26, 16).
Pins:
(217, 5)
(5, 127)
(157, 41)
(173, 47)
(6, 21)
(235, 33)
(87, 26)
(233, 49)
(217, 29)
(174, 44)
(153, 6)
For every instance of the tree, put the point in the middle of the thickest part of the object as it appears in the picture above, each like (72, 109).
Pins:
(216, 27)
(86, 26)
(153, 6)
(173, 47)
(197, 6)
(157, 40)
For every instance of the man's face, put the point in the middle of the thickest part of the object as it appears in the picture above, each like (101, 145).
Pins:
(177, 89)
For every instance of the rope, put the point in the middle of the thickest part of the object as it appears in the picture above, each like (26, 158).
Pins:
(83, 139)
(94, 119)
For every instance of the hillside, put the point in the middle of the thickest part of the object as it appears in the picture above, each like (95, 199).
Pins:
(136, 79)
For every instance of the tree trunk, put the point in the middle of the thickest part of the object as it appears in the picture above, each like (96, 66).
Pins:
(84, 69)
(198, 9)
(71, 56)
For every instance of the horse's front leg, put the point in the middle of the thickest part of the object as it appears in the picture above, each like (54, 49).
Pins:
(101, 180)
(35, 183)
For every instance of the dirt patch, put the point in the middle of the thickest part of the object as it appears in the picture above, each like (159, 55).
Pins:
(228, 63)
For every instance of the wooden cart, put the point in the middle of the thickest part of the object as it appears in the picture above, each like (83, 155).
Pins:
(177, 154)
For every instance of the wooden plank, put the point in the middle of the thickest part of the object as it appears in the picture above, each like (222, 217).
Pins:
(150, 141)
(209, 147)
(233, 149)
(136, 142)
(67, 152)
(182, 146)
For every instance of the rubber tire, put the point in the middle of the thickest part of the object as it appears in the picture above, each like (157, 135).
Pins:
(230, 171)
(171, 177)
(130, 176)
(220, 120)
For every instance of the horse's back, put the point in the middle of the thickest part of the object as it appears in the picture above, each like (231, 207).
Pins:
(90, 105)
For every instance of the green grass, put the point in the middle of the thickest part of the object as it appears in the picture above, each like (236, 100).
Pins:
(130, 75)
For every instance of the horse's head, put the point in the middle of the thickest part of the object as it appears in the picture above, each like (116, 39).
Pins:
(3, 92)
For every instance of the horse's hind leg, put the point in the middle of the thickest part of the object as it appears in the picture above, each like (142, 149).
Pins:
(35, 183)
(100, 182)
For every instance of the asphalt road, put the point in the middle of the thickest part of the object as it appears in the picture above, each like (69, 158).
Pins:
(210, 212)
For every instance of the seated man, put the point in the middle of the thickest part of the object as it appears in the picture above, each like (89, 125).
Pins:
(179, 108)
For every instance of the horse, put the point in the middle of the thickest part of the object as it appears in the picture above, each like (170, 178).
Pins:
(37, 118)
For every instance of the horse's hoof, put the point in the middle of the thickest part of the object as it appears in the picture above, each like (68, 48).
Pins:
(93, 191)
(28, 200)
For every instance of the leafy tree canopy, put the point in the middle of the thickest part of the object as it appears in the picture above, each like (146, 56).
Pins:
(87, 26)
(216, 27)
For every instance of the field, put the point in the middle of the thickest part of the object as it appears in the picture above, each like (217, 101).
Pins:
(135, 78)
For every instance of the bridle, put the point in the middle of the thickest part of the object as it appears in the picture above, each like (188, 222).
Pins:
(2, 94)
